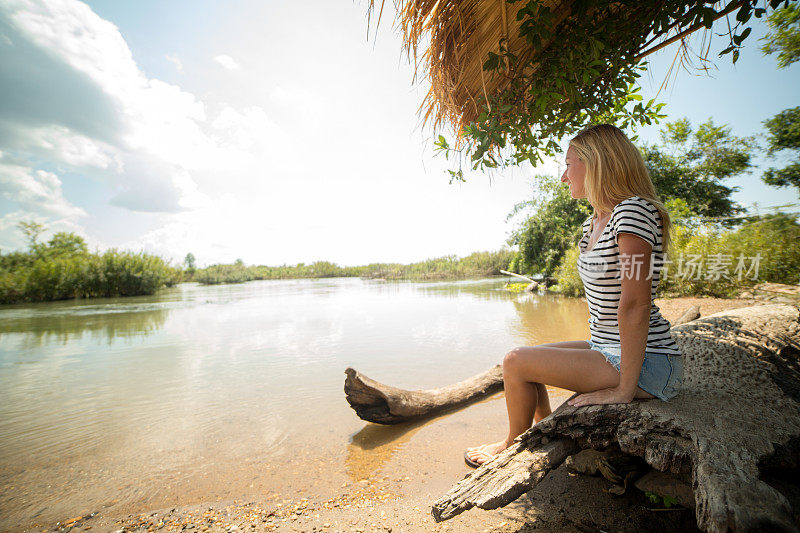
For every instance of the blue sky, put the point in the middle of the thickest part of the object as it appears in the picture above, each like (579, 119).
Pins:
(274, 132)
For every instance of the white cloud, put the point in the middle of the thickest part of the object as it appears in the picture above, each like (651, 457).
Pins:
(227, 62)
(37, 191)
(175, 60)
(75, 149)
(146, 138)
(247, 129)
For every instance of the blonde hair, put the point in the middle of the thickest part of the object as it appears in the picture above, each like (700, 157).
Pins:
(615, 171)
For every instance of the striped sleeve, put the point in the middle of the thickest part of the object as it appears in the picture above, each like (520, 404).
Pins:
(638, 217)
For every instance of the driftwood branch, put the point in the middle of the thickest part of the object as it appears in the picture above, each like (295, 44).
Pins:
(514, 472)
(383, 404)
(693, 313)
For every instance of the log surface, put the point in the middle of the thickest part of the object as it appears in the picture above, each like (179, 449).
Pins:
(384, 404)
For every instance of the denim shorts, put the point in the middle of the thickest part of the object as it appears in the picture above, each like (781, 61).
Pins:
(661, 375)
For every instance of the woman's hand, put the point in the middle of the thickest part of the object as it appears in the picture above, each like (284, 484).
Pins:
(602, 396)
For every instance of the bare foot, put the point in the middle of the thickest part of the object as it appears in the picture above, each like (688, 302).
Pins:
(485, 452)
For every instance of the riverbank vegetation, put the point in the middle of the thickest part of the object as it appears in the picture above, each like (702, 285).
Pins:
(63, 268)
(476, 265)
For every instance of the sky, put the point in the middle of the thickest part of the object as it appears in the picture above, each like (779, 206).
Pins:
(275, 132)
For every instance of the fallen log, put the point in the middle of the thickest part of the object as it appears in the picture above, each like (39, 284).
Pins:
(384, 404)
(737, 416)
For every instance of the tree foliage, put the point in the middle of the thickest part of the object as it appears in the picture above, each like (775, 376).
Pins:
(785, 37)
(582, 70)
(692, 164)
(784, 134)
(190, 262)
(31, 230)
(687, 168)
(554, 227)
(66, 243)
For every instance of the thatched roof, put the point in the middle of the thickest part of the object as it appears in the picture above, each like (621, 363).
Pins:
(461, 34)
(450, 42)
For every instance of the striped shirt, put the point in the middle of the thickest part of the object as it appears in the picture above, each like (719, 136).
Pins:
(599, 269)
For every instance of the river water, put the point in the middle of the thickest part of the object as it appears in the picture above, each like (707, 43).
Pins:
(203, 393)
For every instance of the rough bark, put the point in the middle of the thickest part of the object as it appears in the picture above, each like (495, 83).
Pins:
(737, 414)
(383, 404)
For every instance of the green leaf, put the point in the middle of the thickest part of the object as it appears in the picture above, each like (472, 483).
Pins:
(708, 17)
(743, 15)
(745, 33)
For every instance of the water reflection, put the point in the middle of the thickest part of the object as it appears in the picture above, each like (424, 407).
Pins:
(62, 328)
(208, 375)
(490, 289)
(375, 444)
(543, 318)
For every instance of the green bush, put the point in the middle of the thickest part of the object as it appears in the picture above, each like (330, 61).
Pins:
(66, 270)
(216, 274)
(569, 281)
(696, 249)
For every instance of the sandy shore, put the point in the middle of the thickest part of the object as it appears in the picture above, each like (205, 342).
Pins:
(395, 475)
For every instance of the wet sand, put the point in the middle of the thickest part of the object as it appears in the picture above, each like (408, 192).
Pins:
(386, 479)
(412, 471)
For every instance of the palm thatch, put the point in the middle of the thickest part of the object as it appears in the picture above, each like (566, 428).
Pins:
(461, 34)
(476, 51)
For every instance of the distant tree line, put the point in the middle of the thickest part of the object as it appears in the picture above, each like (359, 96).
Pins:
(476, 265)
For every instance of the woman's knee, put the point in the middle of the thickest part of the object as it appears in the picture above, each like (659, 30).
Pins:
(516, 357)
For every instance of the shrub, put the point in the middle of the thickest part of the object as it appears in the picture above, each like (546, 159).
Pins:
(84, 275)
(569, 281)
(710, 260)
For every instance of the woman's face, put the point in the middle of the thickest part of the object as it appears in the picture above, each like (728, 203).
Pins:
(575, 174)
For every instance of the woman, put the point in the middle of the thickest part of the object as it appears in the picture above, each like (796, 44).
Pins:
(630, 353)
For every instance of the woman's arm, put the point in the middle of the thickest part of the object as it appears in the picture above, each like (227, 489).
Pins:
(633, 315)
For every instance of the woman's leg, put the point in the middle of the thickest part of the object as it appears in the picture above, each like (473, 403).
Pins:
(572, 366)
(543, 401)
(542, 404)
